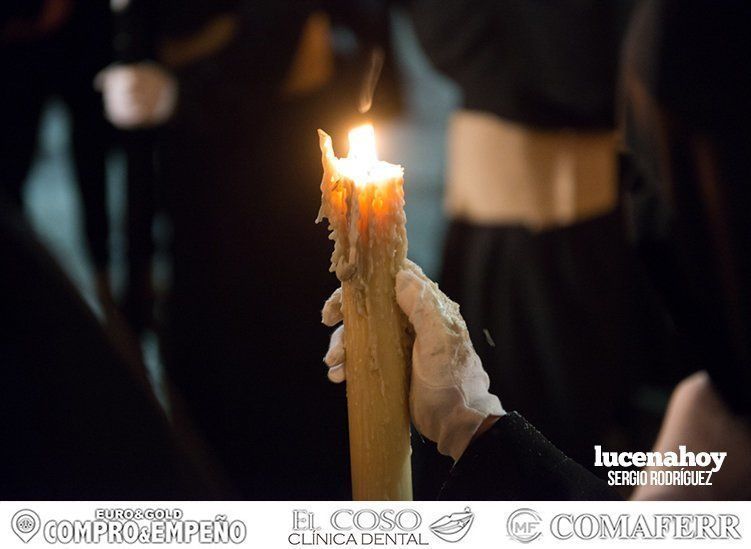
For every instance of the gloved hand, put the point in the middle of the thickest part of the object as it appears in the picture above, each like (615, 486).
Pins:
(137, 95)
(449, 398)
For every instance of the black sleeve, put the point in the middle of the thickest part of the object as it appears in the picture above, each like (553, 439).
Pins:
(513, 461)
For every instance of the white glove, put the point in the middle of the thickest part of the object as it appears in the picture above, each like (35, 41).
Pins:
(449, 397)
(137, 95)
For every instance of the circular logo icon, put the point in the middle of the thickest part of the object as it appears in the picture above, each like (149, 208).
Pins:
(25, 523)
(523, 525)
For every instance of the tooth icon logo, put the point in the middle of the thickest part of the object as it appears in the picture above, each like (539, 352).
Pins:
(453, 527)
(25, 523)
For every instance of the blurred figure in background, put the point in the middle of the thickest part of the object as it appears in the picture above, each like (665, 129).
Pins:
(686, 122)
(535, 253)
(79, 420)
(240, 167)
(140, 96)
(55, 48)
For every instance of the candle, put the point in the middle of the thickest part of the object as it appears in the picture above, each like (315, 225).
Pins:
(363, 200)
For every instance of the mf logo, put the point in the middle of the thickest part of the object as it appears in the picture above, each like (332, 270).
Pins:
(523, 525)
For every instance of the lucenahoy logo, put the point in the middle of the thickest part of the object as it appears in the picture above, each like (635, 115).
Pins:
(453, 527)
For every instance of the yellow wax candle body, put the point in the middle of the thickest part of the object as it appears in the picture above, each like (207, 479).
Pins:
(365, 210)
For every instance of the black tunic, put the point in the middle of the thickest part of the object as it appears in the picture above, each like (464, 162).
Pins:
(548, 64)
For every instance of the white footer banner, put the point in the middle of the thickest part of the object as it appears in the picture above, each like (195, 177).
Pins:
(471, 524)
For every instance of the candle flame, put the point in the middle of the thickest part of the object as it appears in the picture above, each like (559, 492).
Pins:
(361, 164)
(362, 147)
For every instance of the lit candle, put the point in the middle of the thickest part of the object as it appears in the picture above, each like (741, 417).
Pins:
(363, 200)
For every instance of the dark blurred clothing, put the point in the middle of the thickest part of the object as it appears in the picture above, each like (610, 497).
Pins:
(243, 340)
(61, 62)
(142, 192)
(548, 64)
(564, 325)
(686, 119)
(134, 34)
(79, 422)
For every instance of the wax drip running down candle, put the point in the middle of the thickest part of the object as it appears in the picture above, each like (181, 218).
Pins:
(363, 200)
